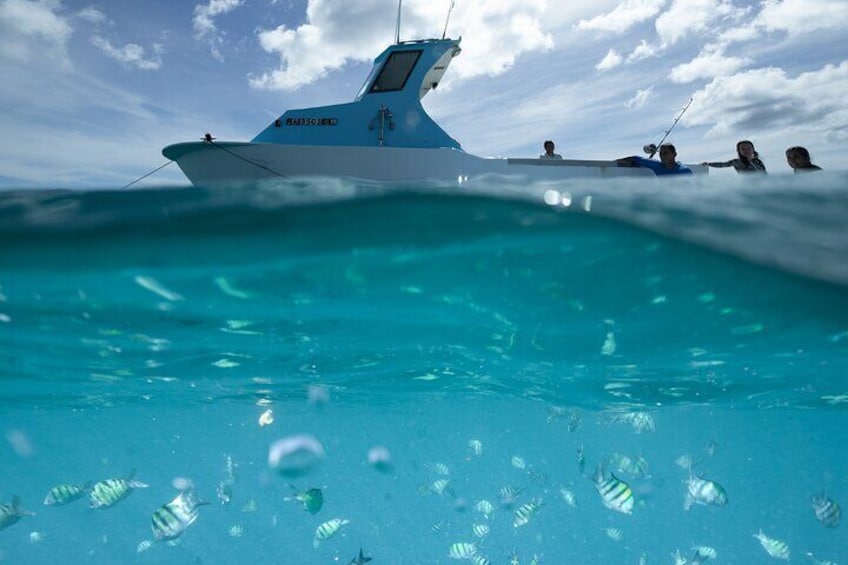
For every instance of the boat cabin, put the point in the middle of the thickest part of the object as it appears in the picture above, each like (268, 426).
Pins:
(387, 110)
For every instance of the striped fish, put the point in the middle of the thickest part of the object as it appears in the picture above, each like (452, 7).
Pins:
(480, 560)
(774, 547)
(697, 559)
(439, 486)
(827, 510)
(143, 546)
(475, 447)
(328, 529)
(508, 496)
(173, 518)
(12, 512)
(568, 497)
(65, 494)
(437, 526)
(614, 534)
(486, 508)
(705, 551)
(111, 491)
(480, 530)
(525, 512)
(615, 493)
(703, 491)
(462, 550)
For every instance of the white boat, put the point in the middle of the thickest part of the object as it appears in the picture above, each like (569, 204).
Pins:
(383, 135)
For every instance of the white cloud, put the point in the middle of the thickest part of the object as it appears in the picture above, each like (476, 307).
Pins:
(131, 55)
(767, 99)
(93, 15)
(626, 15)
(748, 32)
(34, 29)
(642, 51)
(498, 31)
(610, 61)
(640, 98)
(710, 63)
(204, 22)
(802, 16)
(687, 17)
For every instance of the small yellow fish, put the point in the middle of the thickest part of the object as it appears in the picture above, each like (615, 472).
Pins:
(266, 418)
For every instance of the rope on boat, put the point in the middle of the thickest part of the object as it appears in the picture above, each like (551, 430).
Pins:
(142, 177)
(211, 140)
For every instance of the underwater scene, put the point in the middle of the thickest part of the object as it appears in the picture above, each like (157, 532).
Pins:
(327, 371)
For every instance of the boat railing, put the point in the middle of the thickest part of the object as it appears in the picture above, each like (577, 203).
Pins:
(559, 162)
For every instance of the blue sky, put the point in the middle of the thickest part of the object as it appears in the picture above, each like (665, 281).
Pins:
(91, 91)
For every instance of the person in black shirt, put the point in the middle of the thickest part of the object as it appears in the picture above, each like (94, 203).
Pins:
(799, 159)
(748, 161)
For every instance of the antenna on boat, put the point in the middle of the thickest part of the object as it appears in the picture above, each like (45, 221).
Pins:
(397, 25)
(447, 19)
(652, 148)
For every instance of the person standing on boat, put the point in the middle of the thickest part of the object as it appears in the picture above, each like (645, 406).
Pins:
(549, 151)
(748, 160)
(667, 165)
(799, 159)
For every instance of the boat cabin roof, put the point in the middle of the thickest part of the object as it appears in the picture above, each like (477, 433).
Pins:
(393, 67)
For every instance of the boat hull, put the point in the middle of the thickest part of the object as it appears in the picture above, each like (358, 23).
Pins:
(209, 163)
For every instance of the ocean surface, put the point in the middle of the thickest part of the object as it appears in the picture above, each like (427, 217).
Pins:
(431, 347)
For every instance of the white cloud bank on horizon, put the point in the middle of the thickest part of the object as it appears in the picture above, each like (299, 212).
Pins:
(769, 99)
(502, 31)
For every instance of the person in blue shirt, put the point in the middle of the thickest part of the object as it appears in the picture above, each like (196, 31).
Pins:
(667, 165)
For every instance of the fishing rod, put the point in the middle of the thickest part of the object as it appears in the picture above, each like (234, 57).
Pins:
(397, 26)
(447, 19)
(652, 148)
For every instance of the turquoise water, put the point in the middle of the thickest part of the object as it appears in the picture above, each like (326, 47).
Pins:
(149, 331)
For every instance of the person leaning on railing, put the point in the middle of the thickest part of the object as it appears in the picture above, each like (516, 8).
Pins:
(748, 160)
(667, 165)
(549, 151)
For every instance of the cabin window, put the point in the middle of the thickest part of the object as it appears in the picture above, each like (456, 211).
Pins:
(395, 71)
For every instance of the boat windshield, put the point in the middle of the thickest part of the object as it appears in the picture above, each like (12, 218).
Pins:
(365, 84)
(395, 71)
